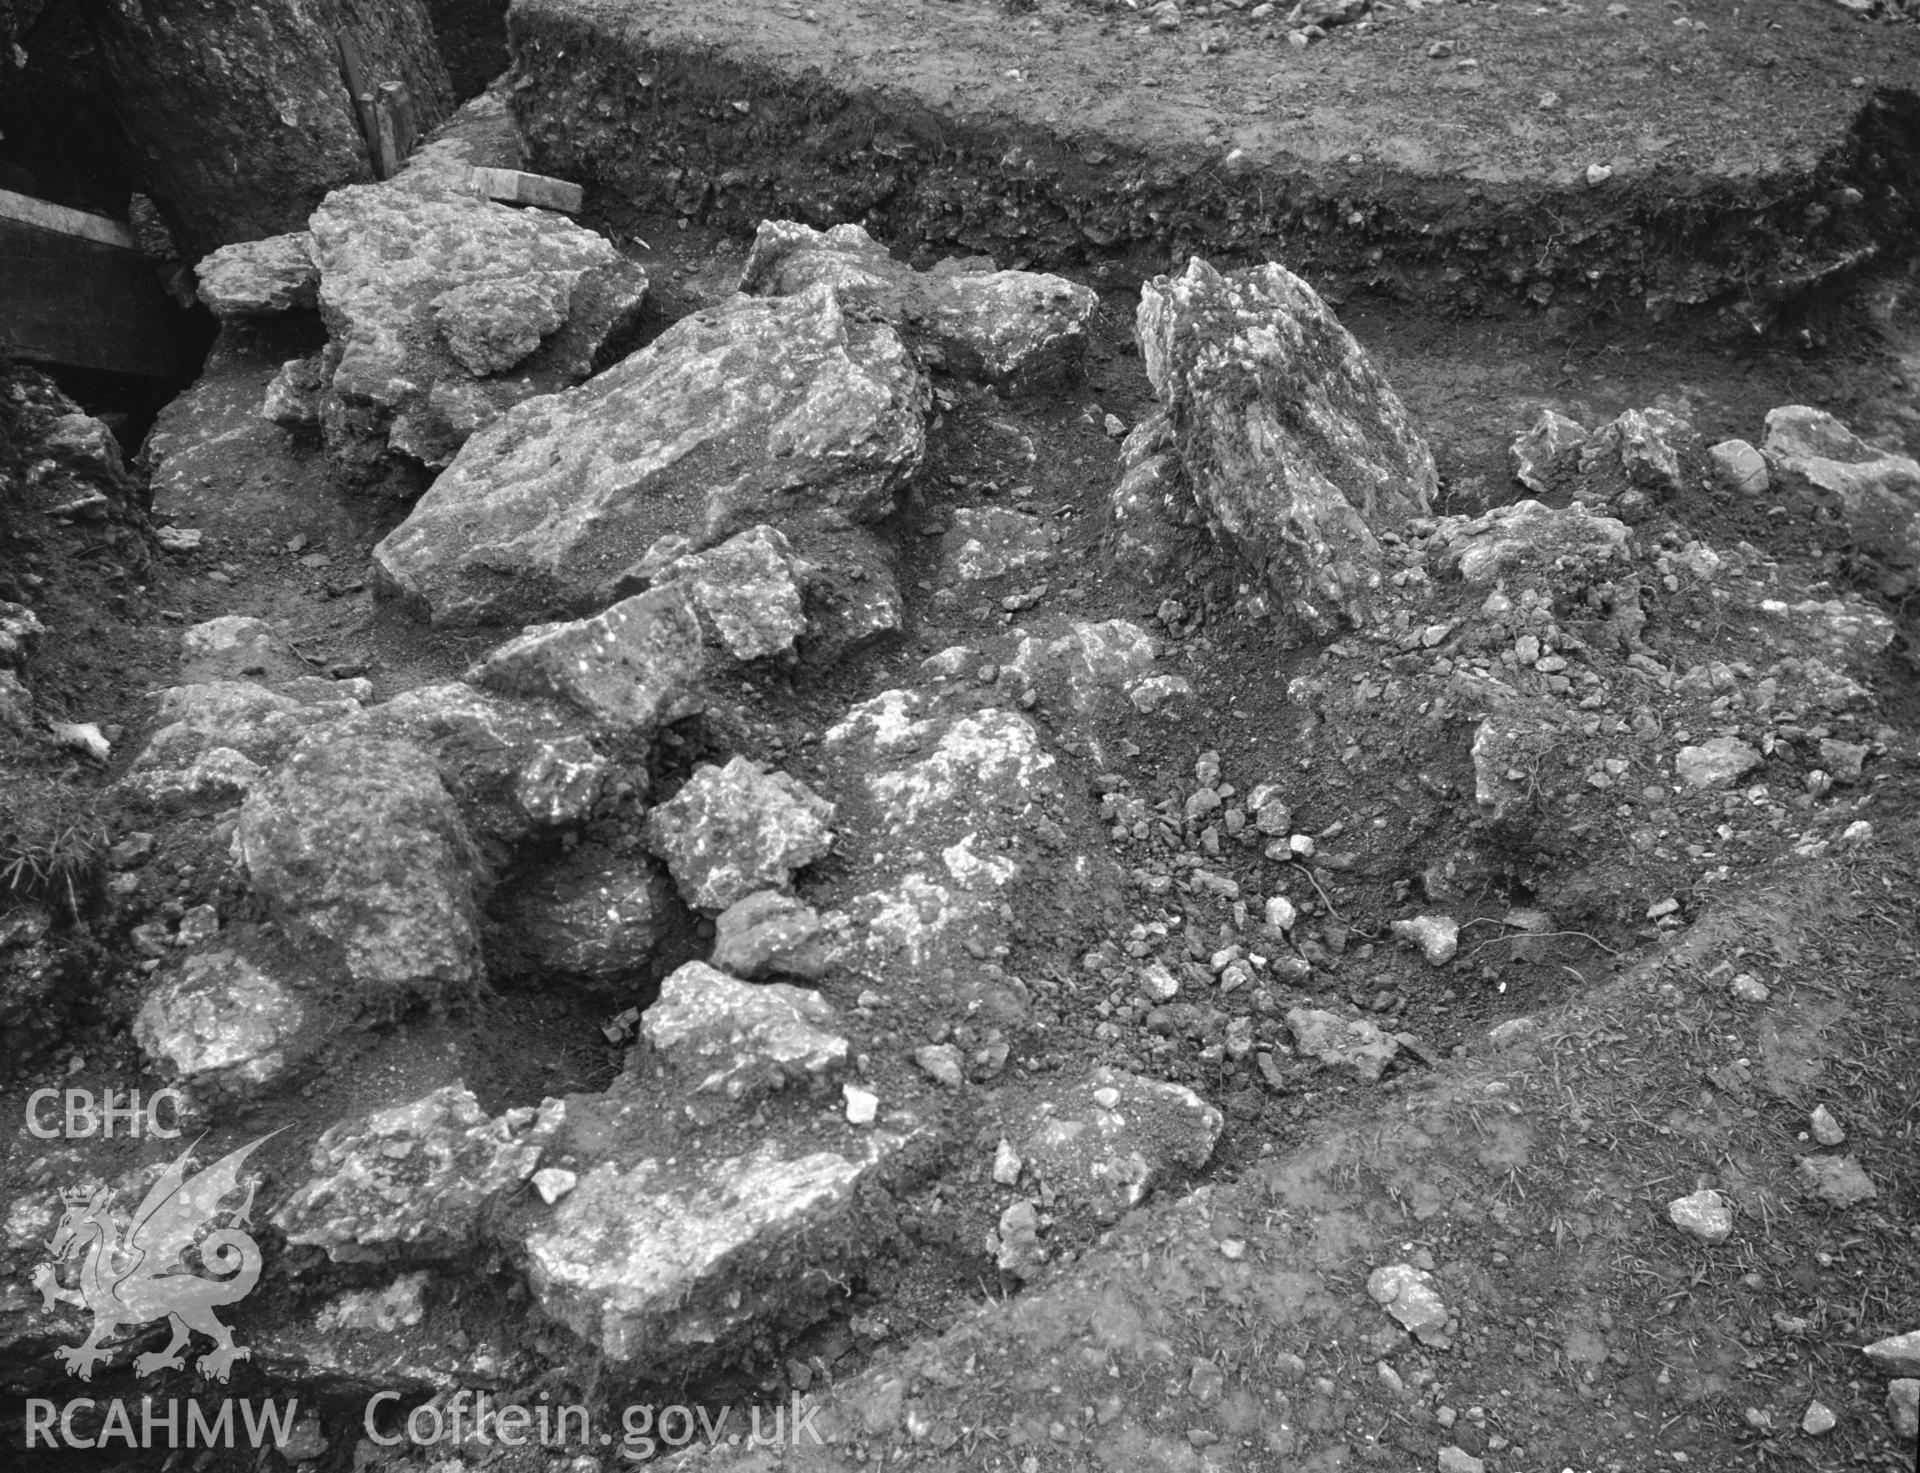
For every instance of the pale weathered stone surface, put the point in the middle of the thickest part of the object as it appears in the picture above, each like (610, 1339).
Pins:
(446, 310)
(220, 1021)
(1739, 468)
(1647, 443)
(1412, 1296)
(1897, 1355)
(1438, 937)
(1528, 538)
(1091, 661)
(670, 1265)
(635, 667)
(357, 845)
(236, 111)
(1903, 1408)
(1812, 453)
(414, 1182)
(1546, 451)
(514, 766)
(1704, 1214)
(1289, 437)
(753, 411)
(1344, 1043)
(1718, 762)
(741, 1040)
(213, 738)
(749, 592)
(736, 829)
(991, 541)
(1015, 328)
(590, 916)
(1107, 1142)
(295, 397)
(258, 278)
(236, 647)
(769, 934)
(1839, 1180)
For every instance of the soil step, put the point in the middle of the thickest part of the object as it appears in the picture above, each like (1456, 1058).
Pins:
(1575, 155)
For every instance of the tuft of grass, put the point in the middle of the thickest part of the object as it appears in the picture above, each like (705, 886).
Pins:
(51, 840)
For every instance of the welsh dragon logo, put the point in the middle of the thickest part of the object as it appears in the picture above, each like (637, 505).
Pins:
(135, 1270)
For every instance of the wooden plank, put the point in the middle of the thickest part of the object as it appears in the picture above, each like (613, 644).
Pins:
(397, 102)
(75, 302)
(48, 216)
(353, 68)
(515, 187)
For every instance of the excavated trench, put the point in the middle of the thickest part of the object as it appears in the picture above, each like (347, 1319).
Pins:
(1481, 297)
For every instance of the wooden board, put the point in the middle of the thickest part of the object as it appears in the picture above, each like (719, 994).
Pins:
(516, 187)
(73, 301)
(58, 218)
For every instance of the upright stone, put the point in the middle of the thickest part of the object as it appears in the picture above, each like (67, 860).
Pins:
(239, 113)
(1291, 441)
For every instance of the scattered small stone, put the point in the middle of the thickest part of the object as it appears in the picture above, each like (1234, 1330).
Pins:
(1840, 1180)
(1903, 1409)
(1818, 1420)
(1717, 763)
(1704, 1214)
(1458, 1460)
(1438, 937)
(1748, 988)
(1598, 174)
(1828, 1132)
(553, 1183)
(862, 1104)
(1857, 834)
(1281, 913)
(1409, 1295)
(1897, 1355)
(1006, 1164)
(1017, 1247)
(941, 1062)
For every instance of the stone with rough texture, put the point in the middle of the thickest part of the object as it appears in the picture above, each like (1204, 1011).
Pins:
(1345, 1043)
(295, 396)
(1739, 468)
(1818, 1419)
(991, 541)
(1897, 1355)
(445, 311)
(749, 592)
(1551, 447)
(236, 647)
(1719, 762)
(1647, 443)
(1290, 439)
(515, 767)
(1839, 1180)
(1456, 1459)
(1109, 1141)
(237, 113)
(770, 934)
(1903, 1408)
(670, 1265)
(259, 278)
(221, 1021)
(777, 410)
(1013, 328)
(357, 845)
(733, 830)
(589, 916)
(936, 802)
(1812, 453)
(213, 739)
(634, 668)
(742, 1040)
(1438, 937)
(1826, 1129)
(1529, 540)
(1090, 661)
(414, 1182)
(1412, 1296)
(1704, 1214)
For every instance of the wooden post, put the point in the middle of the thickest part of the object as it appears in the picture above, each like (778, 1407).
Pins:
(353, 68)
(406, 127)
